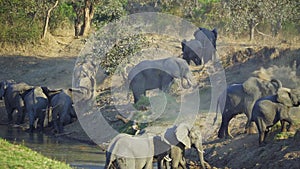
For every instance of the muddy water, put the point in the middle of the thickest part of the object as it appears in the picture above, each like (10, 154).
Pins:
(75, 153)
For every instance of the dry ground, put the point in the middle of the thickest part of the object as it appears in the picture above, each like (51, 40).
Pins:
(51, 64)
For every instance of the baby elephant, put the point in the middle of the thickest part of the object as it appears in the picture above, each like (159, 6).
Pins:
(267, 111)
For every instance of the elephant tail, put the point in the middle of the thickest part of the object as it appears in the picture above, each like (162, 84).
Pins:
(217, 111)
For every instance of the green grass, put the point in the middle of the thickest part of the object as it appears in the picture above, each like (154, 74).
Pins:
(18, 156)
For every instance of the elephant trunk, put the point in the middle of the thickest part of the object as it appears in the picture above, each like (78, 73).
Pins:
(200, 151)
(188, 83)
(277, 83)
(201, 159)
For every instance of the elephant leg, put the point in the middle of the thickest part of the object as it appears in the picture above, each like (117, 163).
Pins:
(224, 130)
(125, 163)
(221, 132)
(251, 128)
(182, 163)
(261, 138)
(166, 83)
(31, 121)
(55, 122)
(21, 115)
(149, 163)
(283, 126)
(137, 93)
(9, 111)
(60, 126)
(290, 127)
(41, 121)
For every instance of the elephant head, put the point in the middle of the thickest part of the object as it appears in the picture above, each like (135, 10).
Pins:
(203, 33)
(202, 49)
(3, 86)
(289, 97)
(192, 51)
(188, 136)
(258, 87)
(178, 68)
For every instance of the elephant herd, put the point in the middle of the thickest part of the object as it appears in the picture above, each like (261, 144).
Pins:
(264, 102)
(35, 102)
(153, 74)
(127, 151)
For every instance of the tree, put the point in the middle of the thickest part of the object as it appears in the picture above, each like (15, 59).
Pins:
(249, 14)
(84, 10)
(46, 23)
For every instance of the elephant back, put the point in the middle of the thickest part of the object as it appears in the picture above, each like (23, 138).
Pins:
(258, 87)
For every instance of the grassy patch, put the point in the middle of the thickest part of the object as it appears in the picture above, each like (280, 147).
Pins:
(283, 135)
(18, 156)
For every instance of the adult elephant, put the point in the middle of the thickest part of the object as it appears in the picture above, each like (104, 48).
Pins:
(202, 33)
(152, 74)
(62, 108)
(11, 91)
(36, 104)
(268, 110)
(202, 49)
(240, 98)
(126, 152)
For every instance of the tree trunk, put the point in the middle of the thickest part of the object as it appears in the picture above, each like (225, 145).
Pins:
(47, 19)
(88, 16)
(252, 26)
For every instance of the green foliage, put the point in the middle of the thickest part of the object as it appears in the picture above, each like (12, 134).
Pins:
(109, 10)
(18, 156)
(62, 15)
(245, 15)
(119, 54)
(127, 128)
(22, 21)
(283, 135)
(18, 23)
(143, 102)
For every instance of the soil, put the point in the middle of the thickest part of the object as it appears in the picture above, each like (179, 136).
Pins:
(51, 64)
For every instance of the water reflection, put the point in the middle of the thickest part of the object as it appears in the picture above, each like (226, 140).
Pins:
(73, 152)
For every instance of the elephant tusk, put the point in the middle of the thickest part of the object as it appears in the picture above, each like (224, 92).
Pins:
(201, 151)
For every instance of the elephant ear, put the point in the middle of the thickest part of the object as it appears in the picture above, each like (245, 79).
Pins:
(284, 97)
(215, 31)
(250, 86)
(183, 43)
(171, 66)
(182, 135)
(295, 96)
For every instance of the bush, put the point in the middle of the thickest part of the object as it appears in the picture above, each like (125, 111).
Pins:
(62, 15)
(18, 23)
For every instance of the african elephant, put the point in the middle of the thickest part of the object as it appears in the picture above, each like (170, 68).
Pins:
(152, 74)
(212, 35)
(182, 137)
(62, 108)
(126, 152)
(240, 98)
(36, 104)
(11, 91)
(268, 110)
(201, 49)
